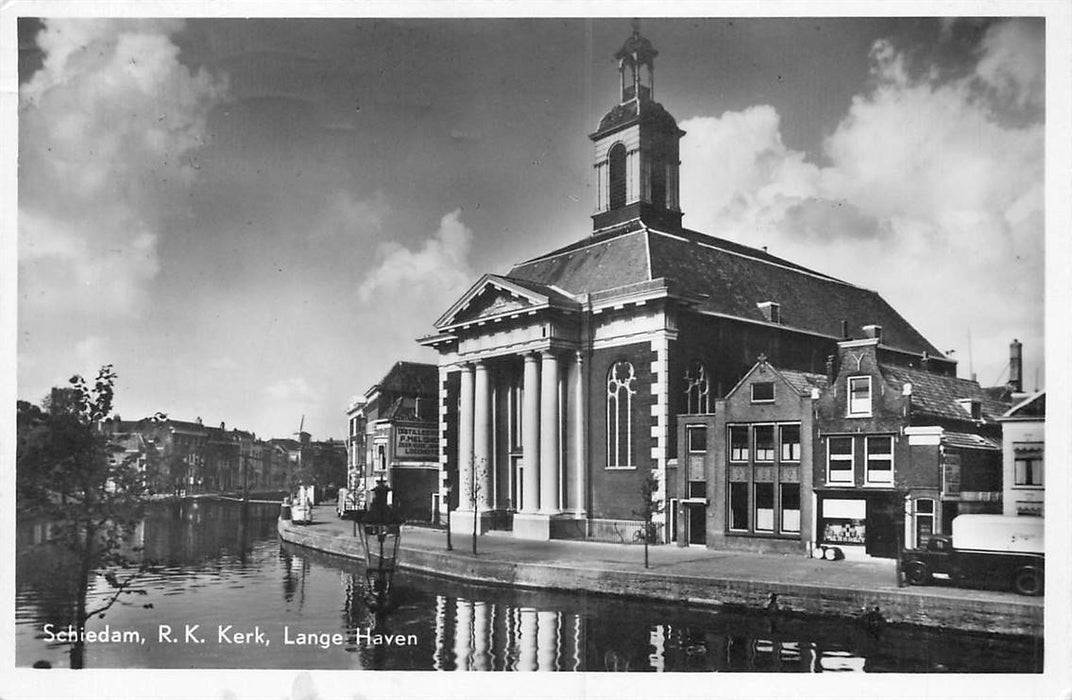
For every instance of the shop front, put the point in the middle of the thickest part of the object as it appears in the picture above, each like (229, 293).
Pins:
(861, 524)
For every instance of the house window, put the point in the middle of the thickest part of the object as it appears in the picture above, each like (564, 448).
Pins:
(738, 506)
(1028, 471)
(764, 507)
(738, 443)
(924, 520)
(764, 443)
(839, 460)
(621, 387)
(696, 435)
(790, 505)
(616, 161)
(859, 396)
(697, 388)
(879, 459)
(697, 489)
(790, 441)
(762, 392)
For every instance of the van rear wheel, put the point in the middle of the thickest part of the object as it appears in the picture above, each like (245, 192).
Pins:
(1028, 581)
(917, 573)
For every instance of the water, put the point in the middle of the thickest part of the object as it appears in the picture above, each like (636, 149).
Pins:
(220, 568)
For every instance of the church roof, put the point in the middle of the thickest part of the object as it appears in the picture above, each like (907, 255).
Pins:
(722, 278)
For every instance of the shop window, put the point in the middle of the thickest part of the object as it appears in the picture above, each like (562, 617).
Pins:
(879, 459)
(696, 437)
(843, 521)
(859, 396)
(764, 443)
(616, 161)
(738, 506)
(1028, 471)
(790, 504)
(764, 507)
(789, 436)
(621, 387)
(763, 392)
(839, 460)
(738, 443)
(697, 389)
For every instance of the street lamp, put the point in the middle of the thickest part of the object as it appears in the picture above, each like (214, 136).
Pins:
(381, 528)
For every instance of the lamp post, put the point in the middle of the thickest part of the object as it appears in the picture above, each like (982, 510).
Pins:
(381, 529)
(447, 489)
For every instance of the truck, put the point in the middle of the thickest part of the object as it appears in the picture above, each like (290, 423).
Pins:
(993, 551)
(349, 503)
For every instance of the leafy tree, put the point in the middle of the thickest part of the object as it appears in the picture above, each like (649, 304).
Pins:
(68, 474)
(650, 506)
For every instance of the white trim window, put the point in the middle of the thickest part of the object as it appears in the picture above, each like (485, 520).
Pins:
(621, 387)
(738, 439)
(879, 459)
(789, 439)
(1027, 470)
(859, 391)
(839, 455)
(762, 392)
(764, 442)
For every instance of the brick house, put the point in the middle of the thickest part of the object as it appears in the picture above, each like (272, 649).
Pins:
(900, 450)
(746, 471)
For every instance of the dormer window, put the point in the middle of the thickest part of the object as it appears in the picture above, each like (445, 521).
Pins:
(974, 408)
(859, 396)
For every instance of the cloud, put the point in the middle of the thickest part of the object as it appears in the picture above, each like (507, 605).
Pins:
(437, 271)
(927, 194)
(108, 128)
(291, 389)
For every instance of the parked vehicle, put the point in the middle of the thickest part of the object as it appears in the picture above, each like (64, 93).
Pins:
(349, 503)
(985, 550)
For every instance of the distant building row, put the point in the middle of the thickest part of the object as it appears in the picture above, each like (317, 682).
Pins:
(183, 457)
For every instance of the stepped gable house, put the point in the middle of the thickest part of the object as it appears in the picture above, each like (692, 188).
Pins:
(561, 380)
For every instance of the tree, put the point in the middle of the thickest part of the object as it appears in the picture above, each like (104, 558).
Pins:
(476, 482)
(650, 506)
(68, 473)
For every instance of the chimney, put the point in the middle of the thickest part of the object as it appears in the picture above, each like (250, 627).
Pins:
(1016, 366)
(830, 376)
(844, 329)
(925, 363)
(771, 310)
(873, 331)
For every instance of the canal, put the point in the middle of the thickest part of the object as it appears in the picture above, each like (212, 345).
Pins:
(220, 572)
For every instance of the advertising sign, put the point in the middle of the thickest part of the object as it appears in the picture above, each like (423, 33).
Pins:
(416, 442)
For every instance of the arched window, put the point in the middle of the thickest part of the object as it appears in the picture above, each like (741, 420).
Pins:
(621, 387)
(616, 189)
(697, 388)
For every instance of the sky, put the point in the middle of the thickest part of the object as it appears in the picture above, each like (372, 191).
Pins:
(253, 219)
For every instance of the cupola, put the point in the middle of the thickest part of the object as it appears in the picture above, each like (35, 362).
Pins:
(637, 149)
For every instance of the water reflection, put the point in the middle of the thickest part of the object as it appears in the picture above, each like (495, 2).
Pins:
(220, 563)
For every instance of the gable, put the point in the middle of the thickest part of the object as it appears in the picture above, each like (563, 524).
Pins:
(493, 301)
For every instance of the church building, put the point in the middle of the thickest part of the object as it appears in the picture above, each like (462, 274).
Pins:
(560, 381)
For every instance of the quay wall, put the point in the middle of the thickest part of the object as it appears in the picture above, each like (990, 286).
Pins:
(910, 606)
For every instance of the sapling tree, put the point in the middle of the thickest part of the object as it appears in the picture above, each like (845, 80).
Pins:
(650, 506)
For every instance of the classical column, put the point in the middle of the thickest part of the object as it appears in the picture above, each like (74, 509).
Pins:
(530, 432)
(579, 453)
(482, 435)
(465, 438)
(549, 448)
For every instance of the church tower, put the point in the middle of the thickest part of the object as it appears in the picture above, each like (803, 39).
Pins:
(637, 149)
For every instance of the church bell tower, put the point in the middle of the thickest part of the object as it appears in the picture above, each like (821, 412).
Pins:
(637, 149)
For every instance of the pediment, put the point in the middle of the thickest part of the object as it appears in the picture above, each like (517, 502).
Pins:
(491, 297)
(492, 302)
